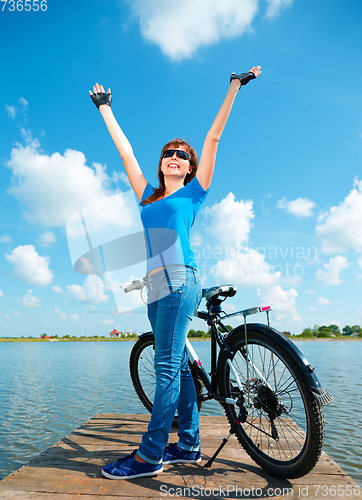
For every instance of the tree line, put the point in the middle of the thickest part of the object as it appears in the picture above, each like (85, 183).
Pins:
(331, 331)
(315, 332)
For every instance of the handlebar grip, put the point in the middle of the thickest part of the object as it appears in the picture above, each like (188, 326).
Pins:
(136, 285)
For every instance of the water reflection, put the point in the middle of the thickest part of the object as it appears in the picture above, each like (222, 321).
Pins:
(50, 389)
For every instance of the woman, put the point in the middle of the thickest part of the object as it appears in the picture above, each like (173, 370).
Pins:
(173, 286)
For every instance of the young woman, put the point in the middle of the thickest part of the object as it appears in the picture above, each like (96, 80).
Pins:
(173, 286)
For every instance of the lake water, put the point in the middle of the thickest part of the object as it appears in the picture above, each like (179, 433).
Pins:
(49, 389)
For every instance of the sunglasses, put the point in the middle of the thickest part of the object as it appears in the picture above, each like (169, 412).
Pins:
(179, 153)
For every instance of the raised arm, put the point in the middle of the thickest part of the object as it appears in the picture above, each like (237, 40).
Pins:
(134, 172)
(209, 150)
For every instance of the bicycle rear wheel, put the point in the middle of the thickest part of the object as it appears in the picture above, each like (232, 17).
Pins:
(143, 372)
(284, 428)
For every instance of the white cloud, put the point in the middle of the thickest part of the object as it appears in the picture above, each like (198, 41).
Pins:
(58, 289)
(340, 227)
(275, 6)
(245, 268)
(301, 207)
(74, 317)
(283, 301)
(86, 267)
(331, 275)
(323, 301)
(359, 261)
(106, 322)
(180, 27)
(29, 300)
(231, 220)
(13, 111)
(230, 225)
(1, 293)
(60, 313)
(92, 291)
(53, 188)
(30, 266)
(5, 239)
(196, 239)
(359, 264)
(46, 239)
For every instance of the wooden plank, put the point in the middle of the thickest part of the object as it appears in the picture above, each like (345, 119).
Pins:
(71, 469)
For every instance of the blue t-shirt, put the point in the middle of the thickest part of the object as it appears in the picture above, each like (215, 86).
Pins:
(167, 223)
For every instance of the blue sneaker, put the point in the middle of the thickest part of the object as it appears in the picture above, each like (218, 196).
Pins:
(128, 468)
(175, 455)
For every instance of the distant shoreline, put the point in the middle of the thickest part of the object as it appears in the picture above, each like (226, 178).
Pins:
(197, 339)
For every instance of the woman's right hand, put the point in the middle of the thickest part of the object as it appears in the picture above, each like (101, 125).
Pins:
(99, 97)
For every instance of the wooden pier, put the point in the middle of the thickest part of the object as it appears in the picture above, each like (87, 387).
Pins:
(71, 469)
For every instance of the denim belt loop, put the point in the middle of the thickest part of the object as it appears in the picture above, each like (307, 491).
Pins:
(168, 280)
(194, 272)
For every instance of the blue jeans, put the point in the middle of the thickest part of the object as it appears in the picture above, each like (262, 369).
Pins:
(173, 297)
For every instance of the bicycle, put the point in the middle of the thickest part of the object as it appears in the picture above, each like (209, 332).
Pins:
(270, 393)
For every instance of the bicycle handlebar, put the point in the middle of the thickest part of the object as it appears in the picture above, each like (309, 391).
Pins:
(136, 285)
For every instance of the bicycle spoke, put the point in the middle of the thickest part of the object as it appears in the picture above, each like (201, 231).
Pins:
(277, 427)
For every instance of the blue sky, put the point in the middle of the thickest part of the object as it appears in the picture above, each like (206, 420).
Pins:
(283, 217)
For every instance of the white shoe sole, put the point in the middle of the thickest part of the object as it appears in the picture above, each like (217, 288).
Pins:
(180, 461)
(133, 476)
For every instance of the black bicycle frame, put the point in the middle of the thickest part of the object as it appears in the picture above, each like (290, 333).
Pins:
(211, 383)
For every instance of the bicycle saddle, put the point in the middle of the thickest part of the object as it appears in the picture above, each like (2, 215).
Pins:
(222, 290)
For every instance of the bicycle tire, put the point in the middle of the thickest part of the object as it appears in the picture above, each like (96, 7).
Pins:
(290, 446)
(143, 373)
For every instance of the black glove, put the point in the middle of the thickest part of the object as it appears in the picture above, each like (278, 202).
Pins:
(101, 98)
(244, 78)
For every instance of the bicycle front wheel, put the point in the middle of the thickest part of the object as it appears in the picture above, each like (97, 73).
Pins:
(284, 428)
(143, 372)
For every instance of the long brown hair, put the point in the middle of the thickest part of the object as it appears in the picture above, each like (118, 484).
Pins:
(160, 191)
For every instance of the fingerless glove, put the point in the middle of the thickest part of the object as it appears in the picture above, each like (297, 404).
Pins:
(244, 78)
(101, 98)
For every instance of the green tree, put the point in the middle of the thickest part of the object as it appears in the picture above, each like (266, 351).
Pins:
(347, 330)
(307, 332)
(195, 334)
(323, 332)
(335, 329)
(227, 326)
(315, 330)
